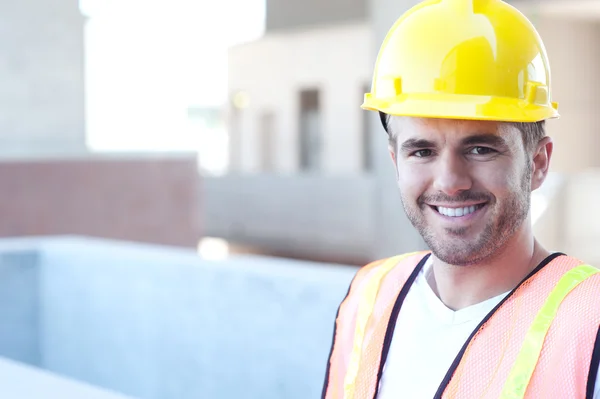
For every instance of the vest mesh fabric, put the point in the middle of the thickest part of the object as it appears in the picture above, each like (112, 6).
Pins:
(563, 367)
(344, 332)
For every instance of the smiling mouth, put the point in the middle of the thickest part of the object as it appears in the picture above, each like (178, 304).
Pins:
(459, 211)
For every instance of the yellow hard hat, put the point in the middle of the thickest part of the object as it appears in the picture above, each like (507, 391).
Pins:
(463, 59)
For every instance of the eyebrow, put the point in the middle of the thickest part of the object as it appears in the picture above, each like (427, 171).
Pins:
(489, 139)
(416, 144)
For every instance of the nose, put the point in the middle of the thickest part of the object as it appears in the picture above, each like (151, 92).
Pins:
(452, 175)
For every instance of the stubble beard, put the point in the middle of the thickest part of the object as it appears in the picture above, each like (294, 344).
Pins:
(454, 247)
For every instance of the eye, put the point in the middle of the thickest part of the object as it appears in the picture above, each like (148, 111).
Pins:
(482, 151)
(422, 153)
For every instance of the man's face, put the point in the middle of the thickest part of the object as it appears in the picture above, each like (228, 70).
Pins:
(465, 185)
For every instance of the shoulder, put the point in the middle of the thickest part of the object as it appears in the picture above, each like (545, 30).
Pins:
(584, 299)
(405, 261)
(402, 265)
(366, 283)
(582, 276)
(574, 285)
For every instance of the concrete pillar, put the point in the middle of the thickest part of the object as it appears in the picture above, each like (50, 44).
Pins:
(394, 232)
(41, 75)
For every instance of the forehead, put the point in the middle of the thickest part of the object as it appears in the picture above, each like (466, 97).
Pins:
(447, 129)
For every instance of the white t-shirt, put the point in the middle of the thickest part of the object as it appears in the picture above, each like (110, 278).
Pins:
(427, 337)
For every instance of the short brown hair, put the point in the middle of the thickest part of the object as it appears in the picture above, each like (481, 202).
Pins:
(531, 132)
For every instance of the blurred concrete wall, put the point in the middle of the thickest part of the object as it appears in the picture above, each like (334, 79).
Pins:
(138, 198)
(571, 223)
(291, 14)
(574, 53)
(19, 381)
(581, 216)
(41, 75)
(20, 305)
(306, 216)
(156, 322)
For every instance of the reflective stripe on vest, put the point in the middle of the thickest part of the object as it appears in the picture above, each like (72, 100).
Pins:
(523, 368)
(506, 373)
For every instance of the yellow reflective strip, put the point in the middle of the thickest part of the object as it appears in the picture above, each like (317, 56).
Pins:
(522, 370)
(365, 309)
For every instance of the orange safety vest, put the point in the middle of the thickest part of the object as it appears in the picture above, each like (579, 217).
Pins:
(541, 341)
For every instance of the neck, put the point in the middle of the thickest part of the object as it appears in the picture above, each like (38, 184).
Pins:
(462, 286)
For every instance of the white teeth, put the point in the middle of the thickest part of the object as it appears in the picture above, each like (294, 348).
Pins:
(456, 212)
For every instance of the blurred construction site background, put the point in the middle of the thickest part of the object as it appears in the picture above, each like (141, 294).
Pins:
(188, 187)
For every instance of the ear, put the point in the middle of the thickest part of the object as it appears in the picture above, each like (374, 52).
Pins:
(541, 162)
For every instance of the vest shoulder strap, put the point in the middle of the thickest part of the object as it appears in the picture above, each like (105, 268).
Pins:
(368, 304)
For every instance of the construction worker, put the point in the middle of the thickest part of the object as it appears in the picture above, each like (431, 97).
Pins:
(463, 91)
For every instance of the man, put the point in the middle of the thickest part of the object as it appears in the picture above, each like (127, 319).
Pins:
(463, 90)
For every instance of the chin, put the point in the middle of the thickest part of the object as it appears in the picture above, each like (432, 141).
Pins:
(455, 259)
(458, 251)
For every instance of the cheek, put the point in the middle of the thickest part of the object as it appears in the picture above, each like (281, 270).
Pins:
(413, 180)
(499, 180)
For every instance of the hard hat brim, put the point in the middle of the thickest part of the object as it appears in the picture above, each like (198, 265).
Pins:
(459, 106)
